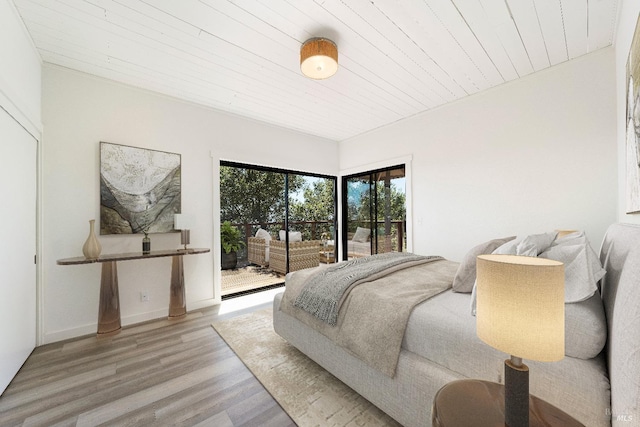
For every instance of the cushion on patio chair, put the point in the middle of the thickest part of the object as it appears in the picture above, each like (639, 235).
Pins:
(294, 236)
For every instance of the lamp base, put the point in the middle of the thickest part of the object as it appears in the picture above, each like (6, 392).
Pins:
(516, 393)
(185, 237)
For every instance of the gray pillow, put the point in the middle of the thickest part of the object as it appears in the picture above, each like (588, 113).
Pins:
(582, 269)
(535, 244)
(294, 236)
(466, 275)
(362, 235)
(531, 245)
(585, 328)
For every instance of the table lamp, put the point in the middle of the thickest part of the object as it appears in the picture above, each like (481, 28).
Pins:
(183, 222)
(520, 311)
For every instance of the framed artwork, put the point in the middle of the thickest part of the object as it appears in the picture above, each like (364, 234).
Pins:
(633, 124)
(139, 189)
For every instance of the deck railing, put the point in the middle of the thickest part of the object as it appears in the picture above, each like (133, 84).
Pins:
(312, 230)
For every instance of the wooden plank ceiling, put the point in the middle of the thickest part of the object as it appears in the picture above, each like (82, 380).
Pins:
(397, 58)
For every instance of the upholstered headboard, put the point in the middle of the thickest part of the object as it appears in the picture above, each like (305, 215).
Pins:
(620, 256)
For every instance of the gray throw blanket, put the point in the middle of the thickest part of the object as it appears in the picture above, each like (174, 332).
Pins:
(324, 292)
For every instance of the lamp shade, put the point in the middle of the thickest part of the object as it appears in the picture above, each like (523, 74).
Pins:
(319, 58)
(183, 221)
(520, 306)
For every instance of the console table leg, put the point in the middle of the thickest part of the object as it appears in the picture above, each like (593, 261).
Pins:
(177, 300)
(109, 310)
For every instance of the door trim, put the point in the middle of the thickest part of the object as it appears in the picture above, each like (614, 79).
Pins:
(383, 164)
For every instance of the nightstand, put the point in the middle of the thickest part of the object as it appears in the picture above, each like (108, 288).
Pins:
(477, 403)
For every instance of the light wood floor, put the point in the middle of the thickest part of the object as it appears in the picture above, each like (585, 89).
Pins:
(173, 373)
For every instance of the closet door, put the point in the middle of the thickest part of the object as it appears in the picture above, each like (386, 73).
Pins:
(18, 163)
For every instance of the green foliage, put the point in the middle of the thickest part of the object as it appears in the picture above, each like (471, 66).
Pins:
(257, 197)
(360, 198)
(253, 196)
(316, 203)
(230, 238)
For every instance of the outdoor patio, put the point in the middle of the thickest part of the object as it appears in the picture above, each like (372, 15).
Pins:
(248, 278)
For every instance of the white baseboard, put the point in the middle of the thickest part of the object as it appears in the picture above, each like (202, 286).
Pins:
(90, 329)
(197, 305)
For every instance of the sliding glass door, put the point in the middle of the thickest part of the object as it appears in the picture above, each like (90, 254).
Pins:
(254, 198)
(374, 212)
(312, 211)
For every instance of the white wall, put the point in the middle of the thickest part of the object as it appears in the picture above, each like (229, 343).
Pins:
(629, 10)
(529, 156)
(19, 70)
(79, 111)
(526, 157)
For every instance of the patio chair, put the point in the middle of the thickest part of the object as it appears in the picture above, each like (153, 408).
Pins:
(258, 248)
(305, 254)
(359, 243)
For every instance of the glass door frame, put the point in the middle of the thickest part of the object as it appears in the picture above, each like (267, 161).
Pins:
(344, 214)
(286, 173)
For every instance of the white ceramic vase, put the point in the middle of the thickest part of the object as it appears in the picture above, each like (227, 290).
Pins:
(92, 246)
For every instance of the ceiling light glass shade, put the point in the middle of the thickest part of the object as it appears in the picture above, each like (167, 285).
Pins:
(319, 58)
(520, 306)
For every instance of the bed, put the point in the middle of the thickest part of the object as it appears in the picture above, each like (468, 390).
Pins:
(598, 383)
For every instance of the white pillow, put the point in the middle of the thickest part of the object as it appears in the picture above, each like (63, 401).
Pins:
(465, 277)
(508, 248)
(582, 269)
(531, 245)
(581, 238)
(263, 234)
(361, 235)
(294, 236)
(535, 244)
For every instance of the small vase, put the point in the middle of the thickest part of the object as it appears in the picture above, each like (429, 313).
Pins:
(146, 244)
(92, 247)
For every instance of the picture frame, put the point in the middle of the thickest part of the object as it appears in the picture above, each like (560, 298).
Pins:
(633, 124)
(140, 189)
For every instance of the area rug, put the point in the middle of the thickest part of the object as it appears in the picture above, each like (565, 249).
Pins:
(308, 393)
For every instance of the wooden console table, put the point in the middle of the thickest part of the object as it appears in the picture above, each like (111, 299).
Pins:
(109, 309)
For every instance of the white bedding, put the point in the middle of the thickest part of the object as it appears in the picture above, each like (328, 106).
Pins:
(374, 314)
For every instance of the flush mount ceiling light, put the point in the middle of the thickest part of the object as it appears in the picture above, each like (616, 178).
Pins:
(319, 58)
